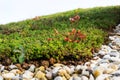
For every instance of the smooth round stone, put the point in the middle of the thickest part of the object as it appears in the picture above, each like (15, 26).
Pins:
(84, 78)
(102, 52)
(75, 77)
(58, 65)
(85, 72)
(28, 75)
(116, 73)
(115, 78)
(34, 79)
(113, 66)
(108, 71)
(115, 60)
(40, 75)
(103, 77)
(8, 75)
(41, 68)
(98, 71)
(63, 72)
(68, 70)
(1, 78)
(91, 77)
(49, 75)
(114, 53)
(113, 46)
(12, 66)
(2, 68)
(105, 48)
(58, 78)
(78, 67)
(72, 69)
(32, 68)
(17, 77)
(55, 70)
(106, 57)
(112, 37)
(16, 71)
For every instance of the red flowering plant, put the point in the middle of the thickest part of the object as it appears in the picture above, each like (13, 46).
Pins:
(74, 36)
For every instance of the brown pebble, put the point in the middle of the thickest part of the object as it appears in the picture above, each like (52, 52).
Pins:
(45, 63)
(52, 61)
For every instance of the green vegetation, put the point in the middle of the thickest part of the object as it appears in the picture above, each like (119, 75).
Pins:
(45, 36)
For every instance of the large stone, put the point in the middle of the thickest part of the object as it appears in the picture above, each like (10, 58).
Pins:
(28, 75)
(8, 75)
(32, 68)
(58, 78)
(1, 78)
(40, 75)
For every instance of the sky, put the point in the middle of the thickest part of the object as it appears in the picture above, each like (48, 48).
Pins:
(17, 10)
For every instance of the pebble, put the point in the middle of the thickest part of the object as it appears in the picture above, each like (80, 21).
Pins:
(32, 68)
(28, 75)
(58, 78)
(1, 77)
(8, 75)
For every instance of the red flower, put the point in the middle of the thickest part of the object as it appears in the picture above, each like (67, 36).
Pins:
(49, 39)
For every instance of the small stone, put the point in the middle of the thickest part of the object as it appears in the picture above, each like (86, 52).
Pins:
(114, 53)
(34, 79)
(2, 68)
(58, 65)
(102, 77)
(115, 78)
(40, 75)
(77, 68)
(55, 71)
(41, 68)
(113, 66)
(91, 77)
(84, 78)
(85, 72)
(17, 77)
(52, 61)
(25, 66)
(72, 69)
(19, 67)
(12, 66)
(16, 71)
(75, 77)
(97, 72)
(32, 68)
(58, 78)
(63, 78)
(63, 72)
(45, 63)
(116, 73)
(49, 75)
(68, 70)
